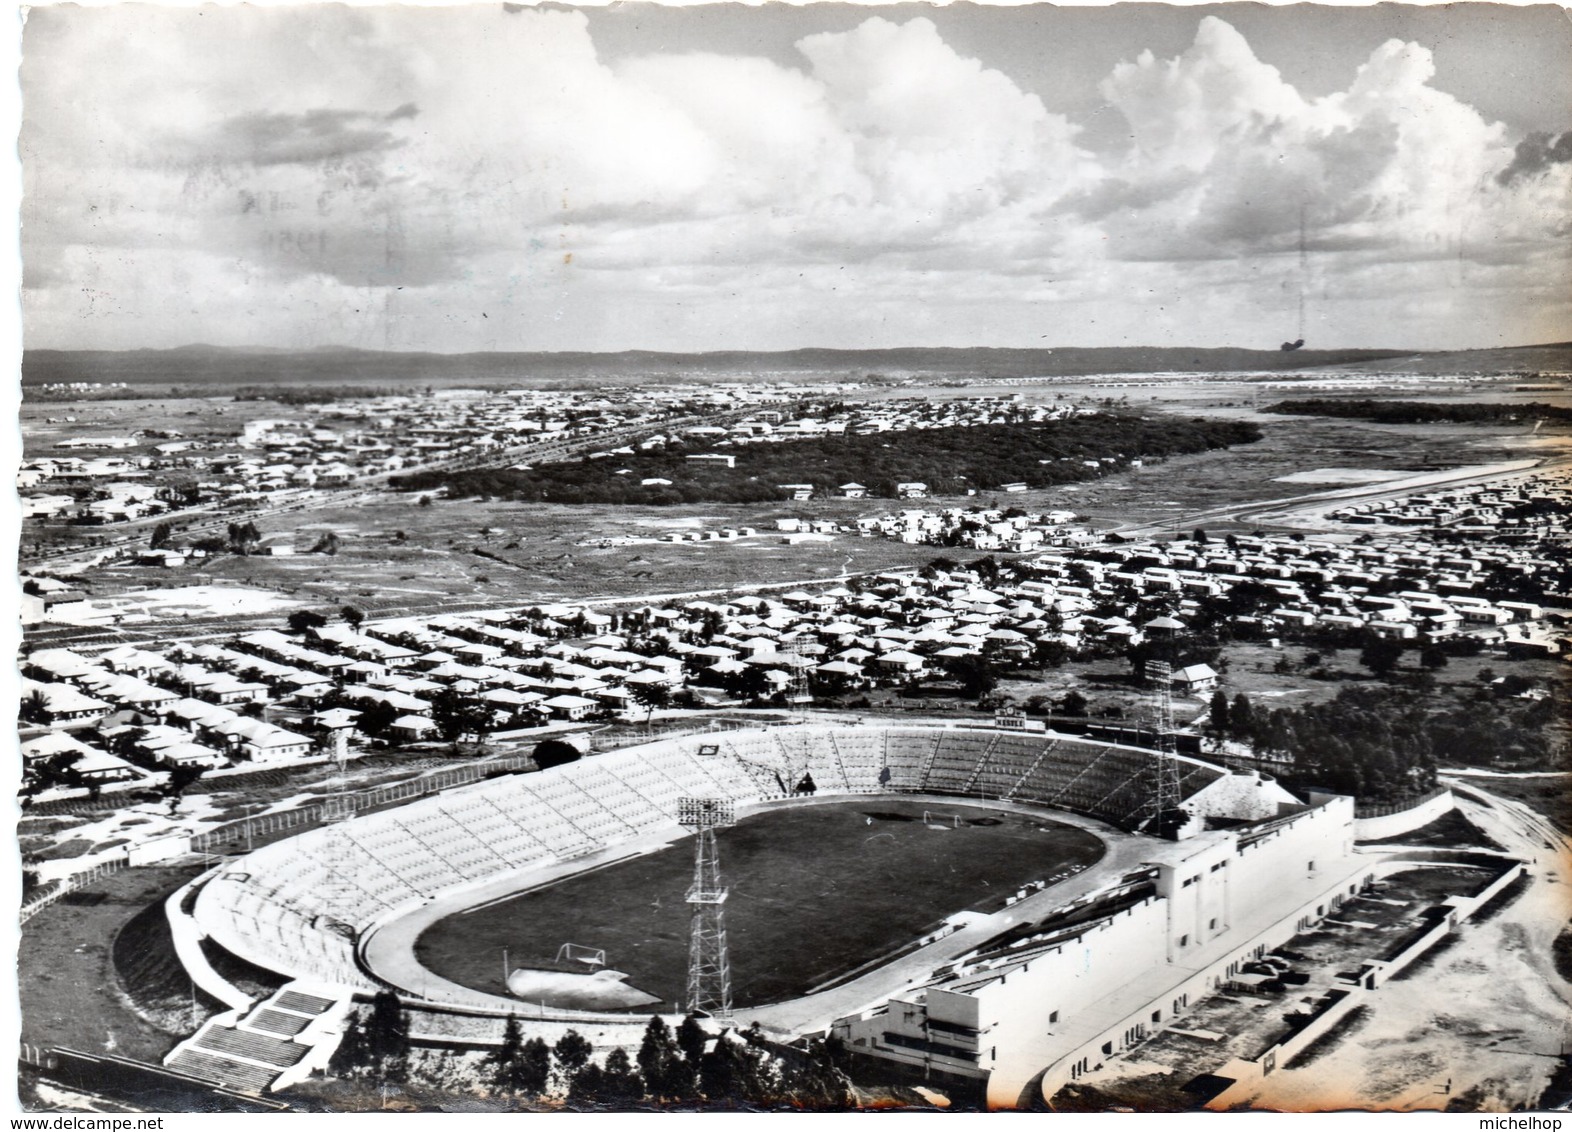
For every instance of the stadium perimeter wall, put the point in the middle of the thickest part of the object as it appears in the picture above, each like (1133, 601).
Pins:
(1404, 821)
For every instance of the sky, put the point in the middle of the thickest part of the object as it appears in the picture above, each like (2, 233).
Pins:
(503, 177)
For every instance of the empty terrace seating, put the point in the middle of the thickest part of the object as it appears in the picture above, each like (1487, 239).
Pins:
(686, 771)
(278, 1022)
(231, 1074)
(769, 782)
(450, 841)
(761, 758)
(491, 817)
(1101, 780)
(391, 846)
(810, 751)
(957, 756)
(585, 810)
(650, 783)
(302, 1003)
(546, 822)
(728, 779)
(636, 811)
(251, 1046)
(1009, 761)
(905, 753)
(861, 756)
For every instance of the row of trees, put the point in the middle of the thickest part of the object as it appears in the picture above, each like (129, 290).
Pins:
(1420, 412)
(683, 1067)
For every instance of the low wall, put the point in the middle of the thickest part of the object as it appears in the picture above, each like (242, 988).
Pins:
(187, 939)
(1404, 821)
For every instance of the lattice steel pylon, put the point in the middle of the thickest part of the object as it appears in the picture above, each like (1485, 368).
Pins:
(338, 807)
(709, 966)
(1165, 813)
(798, 693)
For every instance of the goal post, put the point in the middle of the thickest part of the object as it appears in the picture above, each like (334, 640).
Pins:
(941, 821)
(578, 953)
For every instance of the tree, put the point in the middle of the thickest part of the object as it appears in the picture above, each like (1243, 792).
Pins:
(586, 1085)
(667, 1075)
(649, 697)
(1073, 703)
(1241, 717)
(1219, 712)
(353, 617)
(534, 1072)
(507, 1059)
(818, 1079)
(162, 534)
(737, 1073)
(1381, 654)
(181, 779)
(976, 675)
(243, 537)
(303, 619)
(692, 1039)
(620, 1082)
(387, 1037)
(376, 719)
(748, 684)
(327, 544)
(457, 714)
(1433, 657)
(572, 1053)
(34, 707)
(351, 1057)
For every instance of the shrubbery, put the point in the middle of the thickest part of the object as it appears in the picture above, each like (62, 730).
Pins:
(949, 461)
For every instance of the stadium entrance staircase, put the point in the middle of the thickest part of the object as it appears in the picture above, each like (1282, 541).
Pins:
(277, 1043)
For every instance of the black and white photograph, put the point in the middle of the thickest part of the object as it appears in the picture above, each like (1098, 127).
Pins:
(793, 558)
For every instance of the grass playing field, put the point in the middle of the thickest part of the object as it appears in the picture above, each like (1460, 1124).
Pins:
(816, 892)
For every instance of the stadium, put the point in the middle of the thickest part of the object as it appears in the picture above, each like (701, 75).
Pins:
(987, 908)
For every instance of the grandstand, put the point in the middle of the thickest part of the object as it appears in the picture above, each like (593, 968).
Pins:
(296, 907)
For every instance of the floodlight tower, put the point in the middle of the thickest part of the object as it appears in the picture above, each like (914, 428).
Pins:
(709, 967)
(338, 854)
(798, 694)
(1165, 796)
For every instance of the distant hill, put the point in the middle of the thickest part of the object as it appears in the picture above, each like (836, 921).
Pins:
(1555, 357)
(223, 367)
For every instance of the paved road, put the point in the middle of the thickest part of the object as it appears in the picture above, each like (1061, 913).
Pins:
(1280, 511)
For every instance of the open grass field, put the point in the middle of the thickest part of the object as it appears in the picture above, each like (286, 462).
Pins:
(81, 985)
(815, 892)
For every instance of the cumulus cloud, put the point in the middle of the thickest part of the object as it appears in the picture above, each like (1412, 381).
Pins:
(297, 167)
(1230, 160)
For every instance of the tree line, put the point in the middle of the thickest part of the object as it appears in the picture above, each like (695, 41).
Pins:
(1420, 412)
(1381, 743)
(690, 1067)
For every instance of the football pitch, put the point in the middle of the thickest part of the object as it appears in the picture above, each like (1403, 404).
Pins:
(816, 892)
